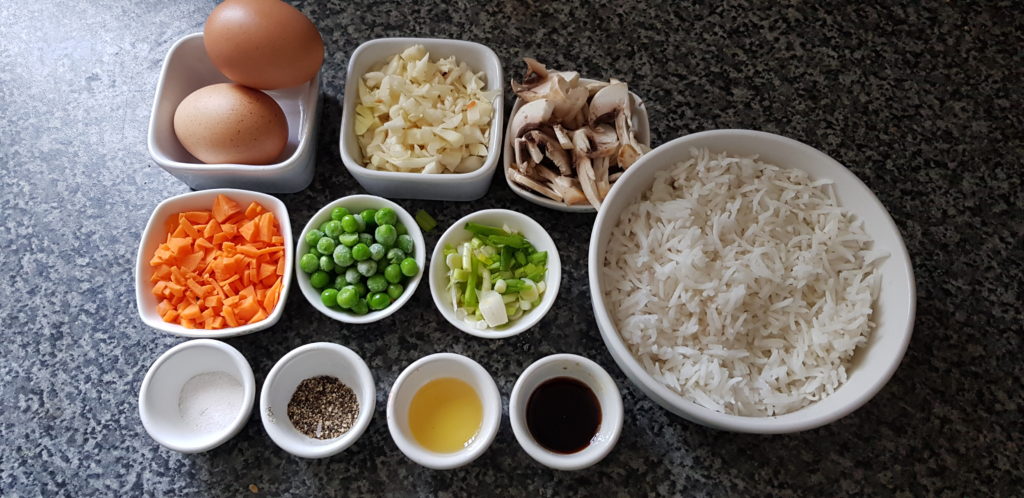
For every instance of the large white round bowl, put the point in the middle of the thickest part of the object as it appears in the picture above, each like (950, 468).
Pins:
(874, 362)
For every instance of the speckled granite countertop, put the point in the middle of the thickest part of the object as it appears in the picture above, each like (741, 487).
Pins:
(922, 102)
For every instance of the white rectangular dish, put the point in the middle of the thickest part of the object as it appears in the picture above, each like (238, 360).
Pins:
(187, 68)
(442, 187)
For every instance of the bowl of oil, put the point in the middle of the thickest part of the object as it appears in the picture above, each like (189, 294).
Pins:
(444, 411)
(566, 412)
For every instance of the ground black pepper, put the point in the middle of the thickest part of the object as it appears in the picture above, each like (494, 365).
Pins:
(323, 407)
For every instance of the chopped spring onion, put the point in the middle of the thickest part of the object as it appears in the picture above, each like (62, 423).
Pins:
(425, 221)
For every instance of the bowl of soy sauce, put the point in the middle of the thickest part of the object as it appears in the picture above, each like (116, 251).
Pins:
(566, 412)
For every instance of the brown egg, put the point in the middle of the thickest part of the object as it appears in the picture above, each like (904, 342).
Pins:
(229, 123)
(264, 44)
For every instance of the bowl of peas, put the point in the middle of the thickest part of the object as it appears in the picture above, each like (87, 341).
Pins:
(360, 258)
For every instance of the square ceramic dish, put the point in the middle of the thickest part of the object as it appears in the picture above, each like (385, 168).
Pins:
(441, 187)
(186, 69)
(155, 234)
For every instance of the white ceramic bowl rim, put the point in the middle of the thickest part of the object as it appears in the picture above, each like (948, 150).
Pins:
(248, 382)
(490, 399)
(498, 103)
(553, 278)
(611, 414)
(156, 225)
(787, 423)
(365, 201)
(367, 404)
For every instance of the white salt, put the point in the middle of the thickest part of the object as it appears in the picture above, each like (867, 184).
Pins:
(210, 401)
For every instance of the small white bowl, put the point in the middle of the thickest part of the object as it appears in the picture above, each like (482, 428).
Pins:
(161, 389)
(441, 187)
(641, 125)
(457, 234)
(314, 360)
(156, 233)
(355, 204)
(604, 388)
(186, 69)
(874, 362)
(418, 374)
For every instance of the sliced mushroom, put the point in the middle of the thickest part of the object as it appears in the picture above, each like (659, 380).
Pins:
(584, 168)
(600, 165)
(563, 137)
(552, 150)
(609, 102)
(531, 116)
(534, 185)
(629, 150)
(605, 140)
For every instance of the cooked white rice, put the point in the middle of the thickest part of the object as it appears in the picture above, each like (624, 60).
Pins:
(741, 285)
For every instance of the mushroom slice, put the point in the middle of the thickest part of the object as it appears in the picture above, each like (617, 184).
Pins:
(536, 74)
(563, 137)
(594, 86)
(605, 139)
(630, 150)
(532, 184)
(584, 168)
(601, 176)
(533, 148)
(552, 150)
(614, 176)
(531, 116)
(521, 153)
(609, 102)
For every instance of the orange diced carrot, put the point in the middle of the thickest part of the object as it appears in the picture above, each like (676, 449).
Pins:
(190, 230)
(170, 316)
(255, 209)
(260, 315)
(197, 217)
(248, 230)
(229, 316)
(192, 311)
(224, 208)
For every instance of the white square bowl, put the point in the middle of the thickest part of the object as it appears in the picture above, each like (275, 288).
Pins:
(441, 187)
(156, 233)
(186, 69)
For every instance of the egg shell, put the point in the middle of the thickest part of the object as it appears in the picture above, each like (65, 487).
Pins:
(228, 123)
(265, 44)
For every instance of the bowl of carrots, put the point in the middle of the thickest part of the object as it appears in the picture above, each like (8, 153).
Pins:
(215, 263)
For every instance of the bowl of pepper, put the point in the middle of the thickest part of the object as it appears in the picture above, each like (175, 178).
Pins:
(317, 400)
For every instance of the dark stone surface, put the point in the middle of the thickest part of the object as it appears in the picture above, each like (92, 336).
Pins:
(922, 102)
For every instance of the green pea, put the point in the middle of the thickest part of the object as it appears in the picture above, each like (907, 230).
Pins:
(405, 243)
(401, 229)
(347, 296)
(313, 236)
(360, 223)
(329, 297)
(395, 290)
(361, 289)
(395, 255)
(348, 239)
(326, 263)
(386, 234)
(368, 216)
(352, 275)
(360, 307)
(313, 251)
(349, 224)
(325, 245)
(339, 282)
(332, 228)
(338, 213)
(409, 267)
(361, 252)
(393, 273)
(343, 256)
(385, 216)
(367, 268)
(323, 226)
(377, 283)
(378, 301)
(320, 279)
(309, 263)
(365, 238)
(376, 252)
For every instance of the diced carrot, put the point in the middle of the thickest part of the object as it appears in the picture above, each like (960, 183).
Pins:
(280, 266)
(191, 261)
(218, 322)
(229, 316)
(277, 239)
(248, 230)
(164, 306)
(196, 288)
(255, 209)
(190, 230)
(267, 270)
(266, 226)
(249, 250)
(170, 316)
(260, 315)
(158, 290)
(247, 309)
(188, 323)
(224, 207)
(197, 216)
(204, 244)
(192, 311)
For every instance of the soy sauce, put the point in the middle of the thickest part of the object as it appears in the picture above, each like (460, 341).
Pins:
(563, 415)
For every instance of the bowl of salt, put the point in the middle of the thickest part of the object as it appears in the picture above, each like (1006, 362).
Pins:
(197, 395)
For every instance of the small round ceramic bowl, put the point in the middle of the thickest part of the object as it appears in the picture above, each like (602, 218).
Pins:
(874, 362)
(418, 374)
(587, 372)
(457, 234)
(356, 203)
(314, 360)
(161, 391)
